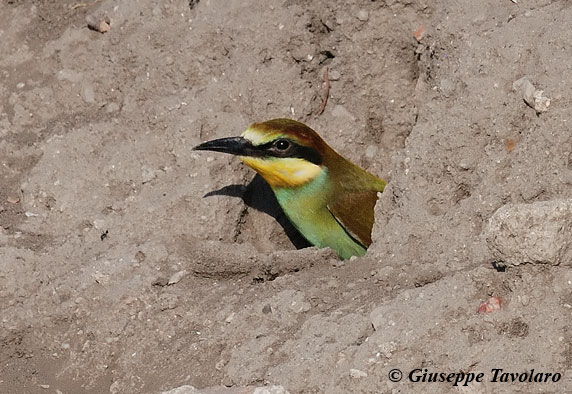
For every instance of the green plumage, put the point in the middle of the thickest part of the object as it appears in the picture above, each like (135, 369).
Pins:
(334, 210)
(328, 199)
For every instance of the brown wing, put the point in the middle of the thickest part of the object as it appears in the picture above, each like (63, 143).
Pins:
(354, 211)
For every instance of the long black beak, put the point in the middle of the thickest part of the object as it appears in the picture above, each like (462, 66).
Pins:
(233, 145)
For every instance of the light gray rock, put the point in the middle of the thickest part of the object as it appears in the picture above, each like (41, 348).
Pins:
(447, 86)
(112, 107)
(524, 86)
(539, 233)
(69, 75)
(363, 15)
(340, 111)
(334, 75)
(533, 97)
(87, 93)
(176, 277)
(371, 151)
(356, 373)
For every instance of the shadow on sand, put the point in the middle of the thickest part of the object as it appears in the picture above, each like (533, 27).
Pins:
(258, 195)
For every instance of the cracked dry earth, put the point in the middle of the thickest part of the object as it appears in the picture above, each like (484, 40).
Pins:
(131, 264)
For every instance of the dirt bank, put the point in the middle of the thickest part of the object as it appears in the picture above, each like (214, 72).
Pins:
(131, 264)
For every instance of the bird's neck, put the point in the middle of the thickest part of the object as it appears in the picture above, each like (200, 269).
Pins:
(307, 196)
(290, 173)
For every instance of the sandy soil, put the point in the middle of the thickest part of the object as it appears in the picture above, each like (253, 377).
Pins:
(131, 264)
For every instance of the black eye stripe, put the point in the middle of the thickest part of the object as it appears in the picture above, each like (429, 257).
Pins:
(310, 154)
(295, 150)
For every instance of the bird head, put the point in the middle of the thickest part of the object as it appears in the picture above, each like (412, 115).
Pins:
(286, 153)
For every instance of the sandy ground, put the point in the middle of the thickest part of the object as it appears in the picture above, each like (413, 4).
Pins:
(131, 264)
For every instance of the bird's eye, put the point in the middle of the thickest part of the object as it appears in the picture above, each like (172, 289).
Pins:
(282, 145)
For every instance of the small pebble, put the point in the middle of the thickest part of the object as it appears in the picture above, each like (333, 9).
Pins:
(112, 107)
(334, 75)
(300, 307)
(371, 151)
(220, 364)
(447, 87)
(176, 277)
(160, 281)
(99, 224)
(147, 174)
(13, 199)
(129, 300)
(168, 301)
(464, 165)
(363, 15)
(69, 75)
(493, 304)
(102, 24)
(340, 111)
(88, 94)
(356, 373)
(329, 24)
(266, 309)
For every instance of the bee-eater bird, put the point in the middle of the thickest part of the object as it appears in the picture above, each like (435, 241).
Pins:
(329, 199)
